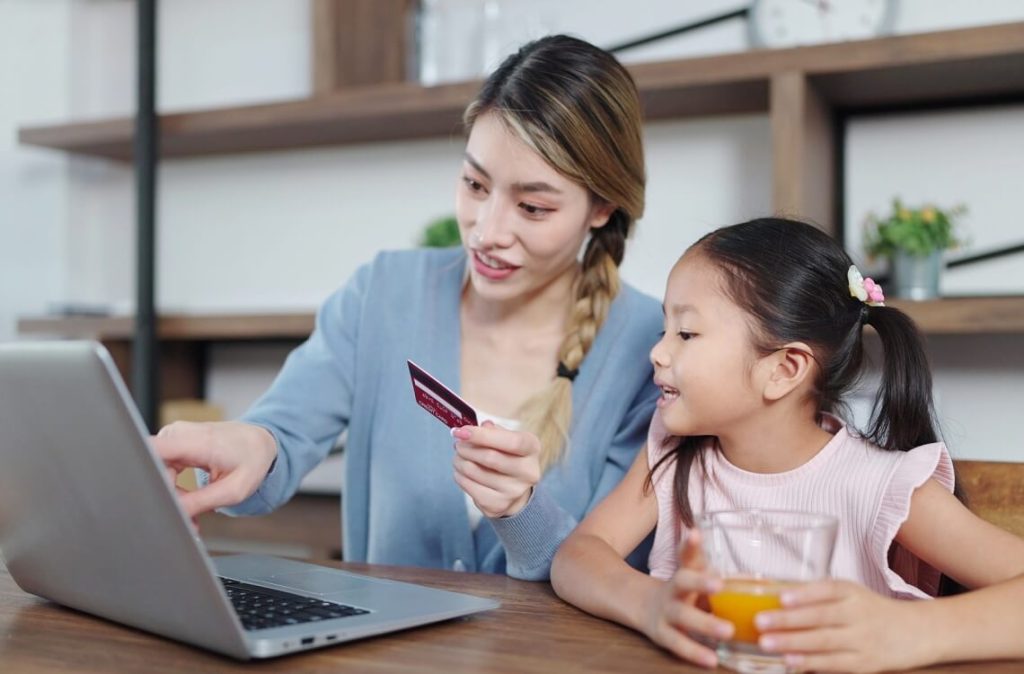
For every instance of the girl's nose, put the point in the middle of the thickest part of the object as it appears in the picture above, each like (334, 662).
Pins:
(658, 355)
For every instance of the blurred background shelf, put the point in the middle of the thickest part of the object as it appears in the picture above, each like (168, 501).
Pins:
(928, 68)
(948, 315)
(177, 327)
(183, 338)
(966, 315)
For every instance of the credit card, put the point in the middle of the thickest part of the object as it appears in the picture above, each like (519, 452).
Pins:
(439, 400)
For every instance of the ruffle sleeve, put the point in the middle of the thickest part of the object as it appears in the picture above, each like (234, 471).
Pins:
(907, 576)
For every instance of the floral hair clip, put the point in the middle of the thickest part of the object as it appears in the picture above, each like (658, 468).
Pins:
(864, 289)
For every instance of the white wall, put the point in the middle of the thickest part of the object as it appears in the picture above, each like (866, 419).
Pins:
(281, 230)
(33, 184)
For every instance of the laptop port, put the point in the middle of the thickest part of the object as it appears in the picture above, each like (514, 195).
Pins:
(332, 637)
(306, 641)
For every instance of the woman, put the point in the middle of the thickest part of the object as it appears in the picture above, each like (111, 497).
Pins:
(546, 346)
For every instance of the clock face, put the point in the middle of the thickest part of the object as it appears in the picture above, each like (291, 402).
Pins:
(791, 23)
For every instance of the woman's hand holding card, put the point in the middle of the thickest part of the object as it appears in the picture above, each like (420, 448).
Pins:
(496, 467)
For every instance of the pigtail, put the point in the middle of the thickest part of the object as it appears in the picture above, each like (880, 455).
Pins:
(903, 415)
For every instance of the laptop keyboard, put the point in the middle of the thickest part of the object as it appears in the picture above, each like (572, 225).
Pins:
(260, 607)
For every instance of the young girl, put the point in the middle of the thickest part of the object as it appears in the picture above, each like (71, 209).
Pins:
(763, 335)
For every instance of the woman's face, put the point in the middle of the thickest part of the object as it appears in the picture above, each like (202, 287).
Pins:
(522, 223)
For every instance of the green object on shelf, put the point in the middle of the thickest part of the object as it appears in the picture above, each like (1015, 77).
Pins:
(441, 233)
(915, 231)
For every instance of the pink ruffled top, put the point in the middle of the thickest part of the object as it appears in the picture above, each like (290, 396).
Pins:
(866, 487)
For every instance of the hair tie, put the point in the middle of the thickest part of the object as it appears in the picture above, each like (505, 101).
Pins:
(864, 289)
(563, 371)
(864, 313)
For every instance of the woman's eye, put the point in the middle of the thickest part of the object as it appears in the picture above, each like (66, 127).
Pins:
(473, 185)
(686, 336)
(530, 209)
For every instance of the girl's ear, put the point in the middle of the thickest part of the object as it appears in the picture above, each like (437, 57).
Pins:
(788, 369)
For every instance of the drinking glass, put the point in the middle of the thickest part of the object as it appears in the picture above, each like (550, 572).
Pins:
(759, 553)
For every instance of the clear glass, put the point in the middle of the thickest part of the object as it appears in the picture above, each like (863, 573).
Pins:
(458, 39)
(759, 553)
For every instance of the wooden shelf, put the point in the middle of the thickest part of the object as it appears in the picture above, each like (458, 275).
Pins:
(177, 327)
(930, 68)
(966, 315)
(947, 316)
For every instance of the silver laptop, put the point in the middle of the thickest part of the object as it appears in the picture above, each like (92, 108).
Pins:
(88, 520)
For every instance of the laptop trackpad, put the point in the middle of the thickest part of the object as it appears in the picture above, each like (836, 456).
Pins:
(316, 581)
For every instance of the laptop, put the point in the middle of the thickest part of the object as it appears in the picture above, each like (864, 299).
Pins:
(89, 520)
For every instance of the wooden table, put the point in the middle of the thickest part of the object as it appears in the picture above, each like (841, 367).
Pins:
(533, 631)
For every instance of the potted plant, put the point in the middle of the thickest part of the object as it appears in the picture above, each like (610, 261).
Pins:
(913, 239)
(441, 233)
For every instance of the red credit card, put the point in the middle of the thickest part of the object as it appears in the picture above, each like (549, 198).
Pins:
(439, 400)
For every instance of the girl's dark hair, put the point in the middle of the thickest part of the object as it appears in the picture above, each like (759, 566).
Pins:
(791, 279)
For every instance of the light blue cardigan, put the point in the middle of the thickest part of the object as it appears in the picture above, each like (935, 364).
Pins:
(400, 502)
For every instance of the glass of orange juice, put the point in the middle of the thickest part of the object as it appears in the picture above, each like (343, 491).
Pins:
(758, 553)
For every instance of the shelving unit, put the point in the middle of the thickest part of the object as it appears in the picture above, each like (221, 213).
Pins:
(184, 339)
(178, 327)
(807, 92)
(913, 69)
(946, 316)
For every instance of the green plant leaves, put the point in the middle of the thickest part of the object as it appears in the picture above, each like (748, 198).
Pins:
(918, 231)
(441, 233)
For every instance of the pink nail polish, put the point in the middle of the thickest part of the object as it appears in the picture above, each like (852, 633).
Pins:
(461, 433)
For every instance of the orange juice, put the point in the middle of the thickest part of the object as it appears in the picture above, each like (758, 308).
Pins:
(743, 598)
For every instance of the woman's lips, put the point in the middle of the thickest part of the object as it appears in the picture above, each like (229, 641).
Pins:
(492, 268)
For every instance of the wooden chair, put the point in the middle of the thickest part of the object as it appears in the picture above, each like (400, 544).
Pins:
(995, 492)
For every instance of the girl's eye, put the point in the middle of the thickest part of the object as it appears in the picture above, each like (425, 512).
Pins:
(686, 336)
(661, 334)
(534, 211)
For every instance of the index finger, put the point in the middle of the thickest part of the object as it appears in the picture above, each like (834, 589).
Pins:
(519, 443)
(812, 593)
(181, 448)
(691, 553)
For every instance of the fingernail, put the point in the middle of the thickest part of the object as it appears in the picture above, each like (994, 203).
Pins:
(709, 660)
(793, 660)
(763, 620)
(788, 598)
(461, 433)
(724, 631)
(767, 643)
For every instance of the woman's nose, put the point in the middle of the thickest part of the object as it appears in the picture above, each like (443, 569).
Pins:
(493, 227)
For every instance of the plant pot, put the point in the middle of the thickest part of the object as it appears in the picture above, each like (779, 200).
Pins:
(916, 277)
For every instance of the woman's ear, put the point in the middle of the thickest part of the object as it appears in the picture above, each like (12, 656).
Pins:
(600, 213)
(789, 368)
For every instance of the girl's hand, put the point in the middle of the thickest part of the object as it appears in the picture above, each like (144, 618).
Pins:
(496, 467)
(843, 626)
(679, 608)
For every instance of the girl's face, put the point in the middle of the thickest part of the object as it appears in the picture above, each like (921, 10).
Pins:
(522, 223)
(705, 362)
